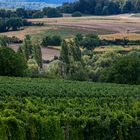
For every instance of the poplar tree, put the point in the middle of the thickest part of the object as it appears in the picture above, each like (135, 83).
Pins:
(64, 54)
(37, 54)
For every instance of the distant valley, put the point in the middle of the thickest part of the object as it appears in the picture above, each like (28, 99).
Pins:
(31, 4)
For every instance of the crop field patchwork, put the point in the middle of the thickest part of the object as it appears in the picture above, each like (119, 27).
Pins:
(69, 26)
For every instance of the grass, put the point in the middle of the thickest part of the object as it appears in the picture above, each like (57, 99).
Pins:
(136, 15)
(130, 36)
(116, 48)
(68, 32)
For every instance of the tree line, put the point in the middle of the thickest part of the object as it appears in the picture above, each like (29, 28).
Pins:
(27, 61)
(93, 7)
(102, 7)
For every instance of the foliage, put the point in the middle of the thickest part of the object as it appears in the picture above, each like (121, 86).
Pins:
(40, 109)
(14, 23)
(4, 41)
(76, 14)
(90, 41)
(125, 71)
(37, 54)
(54, 40)
(101, 7)
(11, 63)
(52, 12)
(64, 53)
(98, 62)
(38, 14)
(56, 69)
(33, 69)
(31, 49)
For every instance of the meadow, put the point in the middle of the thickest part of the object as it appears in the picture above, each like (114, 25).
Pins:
(40, 109)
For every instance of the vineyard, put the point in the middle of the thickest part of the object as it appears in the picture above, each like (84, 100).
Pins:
(40, 109)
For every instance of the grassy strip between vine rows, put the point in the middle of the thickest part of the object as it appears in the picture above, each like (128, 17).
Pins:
(40, 109)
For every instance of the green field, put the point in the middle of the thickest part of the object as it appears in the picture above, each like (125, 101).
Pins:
(69, 32)
(40, 109)
(136, 15)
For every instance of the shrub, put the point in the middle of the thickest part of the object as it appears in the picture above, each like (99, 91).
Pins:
(90, 41)
(33, 68)
(77, 14)
(124, 71)
(55, 40)
(52, 12)
(56, 69)
(52, 41)
(11, 63)
(38, 14)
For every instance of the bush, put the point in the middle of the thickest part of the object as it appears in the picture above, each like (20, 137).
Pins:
(14, 23)
(38, 14)
(76, 72)
(52, 41)
(55, 40)
(90, 41)
(46, 41)
(52, 12)
(56, 69)
(33, 68)
(11, 63)
(77, 14)
(124, 71)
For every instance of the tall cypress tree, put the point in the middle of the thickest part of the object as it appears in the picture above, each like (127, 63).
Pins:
(37, 54)
(75, 51)
(26, 47)
(64, 54)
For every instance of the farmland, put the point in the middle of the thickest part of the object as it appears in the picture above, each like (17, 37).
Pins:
(39, 109)
(108, 27)
(68, 74)
(113, 26)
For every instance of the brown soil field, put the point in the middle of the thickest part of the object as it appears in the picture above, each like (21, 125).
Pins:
(47, 53)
